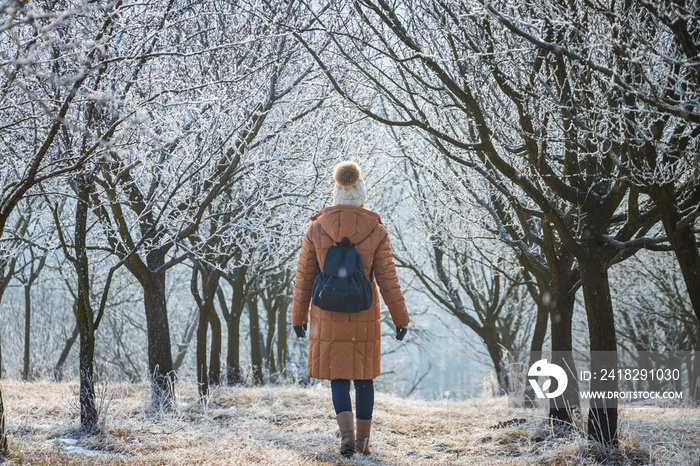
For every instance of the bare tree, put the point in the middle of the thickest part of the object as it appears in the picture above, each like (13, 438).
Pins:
(207, 318)
(554, 276)
(656, 89)
(236, 279)
(88, 317)
(276, 295)
(86, 321)
(459, 276)
(256, 342)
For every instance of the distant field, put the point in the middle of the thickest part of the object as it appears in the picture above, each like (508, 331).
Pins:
(290, 426)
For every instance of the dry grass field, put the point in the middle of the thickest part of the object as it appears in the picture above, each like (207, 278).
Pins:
(291, 426)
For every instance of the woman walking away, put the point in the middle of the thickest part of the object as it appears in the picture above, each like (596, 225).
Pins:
(345, 254)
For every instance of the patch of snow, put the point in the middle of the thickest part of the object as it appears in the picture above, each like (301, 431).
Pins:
(83, 451)
(67, 441)
(71, 447)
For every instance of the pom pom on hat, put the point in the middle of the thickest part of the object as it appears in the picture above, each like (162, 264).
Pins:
(347, 174)
(349, 189)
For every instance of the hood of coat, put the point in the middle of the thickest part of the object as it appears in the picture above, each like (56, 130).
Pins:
(340, 221)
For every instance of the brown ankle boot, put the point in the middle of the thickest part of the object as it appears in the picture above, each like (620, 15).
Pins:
(362, 436)
(347, 433)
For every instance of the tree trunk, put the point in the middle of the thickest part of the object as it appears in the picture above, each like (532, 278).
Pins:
(207, 318)
(282, 339)
(602, 415)
(151, 276)
(540, 331)
(562, 408)
(494, 349)
(3, 437)
(269, 340)
(256, 353)
(543, 299)
(215, 356)
(233, 354)
(562, 278)
(33, 275)
(88, 408)
(86, 321)
(203, 327)
(160, 362)
(233, 324)
(27, 331)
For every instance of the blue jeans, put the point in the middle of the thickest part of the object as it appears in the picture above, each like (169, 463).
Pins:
(364, 397)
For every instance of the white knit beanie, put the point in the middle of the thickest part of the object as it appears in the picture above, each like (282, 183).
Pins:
(349, 188)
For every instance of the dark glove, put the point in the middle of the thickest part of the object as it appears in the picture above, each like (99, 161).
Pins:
(401, 332)
(300, 329)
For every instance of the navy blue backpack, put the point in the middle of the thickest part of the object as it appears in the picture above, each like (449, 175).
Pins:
(342, 285)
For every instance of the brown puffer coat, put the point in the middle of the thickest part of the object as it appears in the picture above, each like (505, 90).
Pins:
(341, 345)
